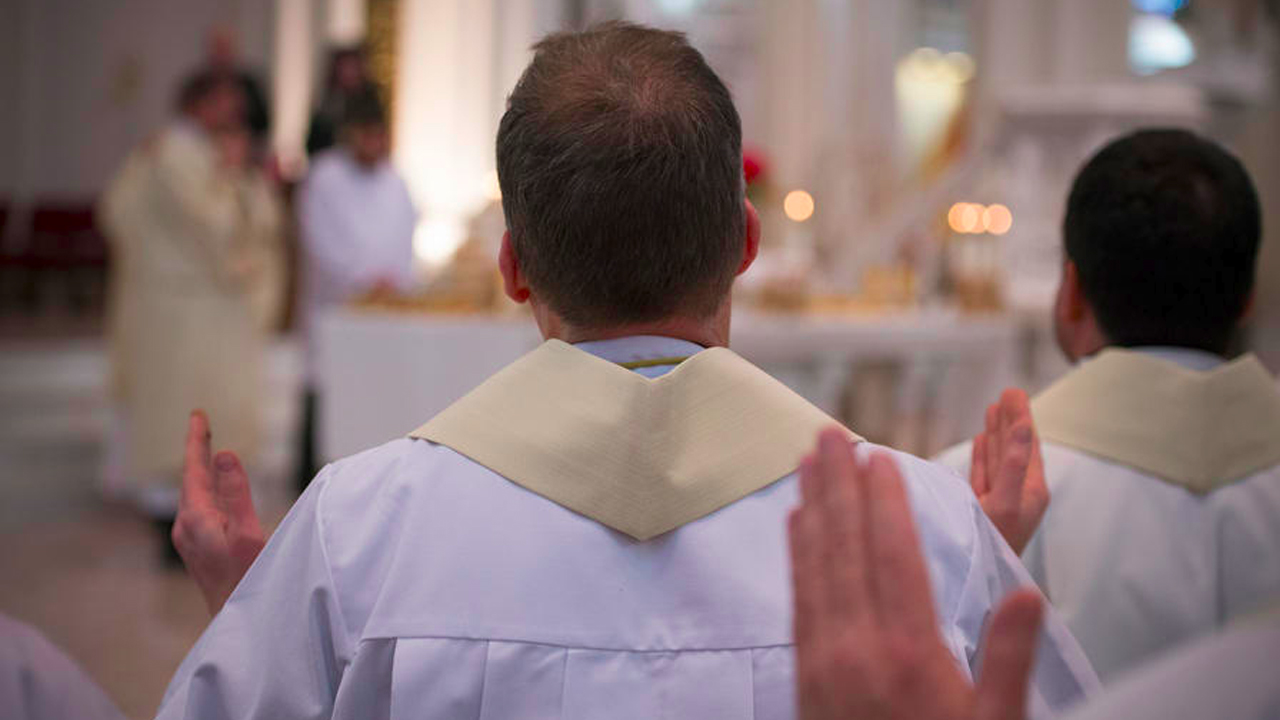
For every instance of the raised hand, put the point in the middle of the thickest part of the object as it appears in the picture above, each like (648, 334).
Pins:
(1007, 471)
(217, 531)
(867, 643)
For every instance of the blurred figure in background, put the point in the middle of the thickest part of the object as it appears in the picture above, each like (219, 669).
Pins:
(224, 58)
(196, 232)
(348, 77)
(356, 221)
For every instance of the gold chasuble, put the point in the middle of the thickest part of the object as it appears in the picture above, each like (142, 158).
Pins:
(1197, 430)
(640, 455)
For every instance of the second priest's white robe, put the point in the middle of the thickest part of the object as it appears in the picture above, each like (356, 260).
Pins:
(412, 581)
(1164, 524)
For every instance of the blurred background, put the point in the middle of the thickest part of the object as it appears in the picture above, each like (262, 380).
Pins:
(910, 161)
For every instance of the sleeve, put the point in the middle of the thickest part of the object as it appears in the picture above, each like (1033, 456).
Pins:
(39, 682)
(1063, 676)
(1247, 525)
(280, 645)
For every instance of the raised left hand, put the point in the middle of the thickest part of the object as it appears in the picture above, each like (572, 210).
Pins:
(217, 531)
(1007, 470)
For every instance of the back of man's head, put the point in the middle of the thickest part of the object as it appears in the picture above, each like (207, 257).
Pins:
(212, 97)
(1163, 227)
(620, 162)
(364, 128)
(364, 109)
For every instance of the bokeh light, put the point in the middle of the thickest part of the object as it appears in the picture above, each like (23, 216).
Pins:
(798, 205)
(965, 217)
(997, 219)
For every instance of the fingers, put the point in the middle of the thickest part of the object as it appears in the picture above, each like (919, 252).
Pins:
(991, 437)
(901, 579)
(1005, 494)
(809, 480)
(978, 466)
(233, 496)
(1023, 431)
(807, 576)
(1008, 657)
(196, 479)
(198, 438)
(1015, 404)
(1014, 418)
(844, 513)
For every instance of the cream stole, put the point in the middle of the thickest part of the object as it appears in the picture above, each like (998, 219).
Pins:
(1197, 430)
(642, 456)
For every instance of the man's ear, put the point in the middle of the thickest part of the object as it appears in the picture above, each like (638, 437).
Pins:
(513, 282)
(750, 248)
(1074, 304)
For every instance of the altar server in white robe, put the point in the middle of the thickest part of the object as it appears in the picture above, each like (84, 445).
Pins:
(356, 222)
(355, 214)
(1162, 457)
(599, 530)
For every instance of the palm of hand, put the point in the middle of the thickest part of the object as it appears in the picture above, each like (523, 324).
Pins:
(1007, 470)
(217, 531)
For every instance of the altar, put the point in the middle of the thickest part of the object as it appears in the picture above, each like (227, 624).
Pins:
(919, 379)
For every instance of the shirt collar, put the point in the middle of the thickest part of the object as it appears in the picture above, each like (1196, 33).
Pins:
(638, 348)
(1189, 358)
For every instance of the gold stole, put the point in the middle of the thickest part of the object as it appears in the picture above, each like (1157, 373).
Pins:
(640, 455)
(1197, 430)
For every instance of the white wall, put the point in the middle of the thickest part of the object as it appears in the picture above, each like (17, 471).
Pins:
(92, 78)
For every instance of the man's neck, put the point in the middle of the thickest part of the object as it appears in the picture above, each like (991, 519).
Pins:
(708, 332)
(703, 338)
(363, 164)
(1187, 357)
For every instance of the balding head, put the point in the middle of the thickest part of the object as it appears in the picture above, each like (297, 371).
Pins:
(620, 161)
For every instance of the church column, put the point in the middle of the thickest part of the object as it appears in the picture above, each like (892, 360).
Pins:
(457, 60)
(345, 21)
(291, 83)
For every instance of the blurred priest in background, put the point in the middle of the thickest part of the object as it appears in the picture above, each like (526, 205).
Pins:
(195, 231)
(599, 530)
(1162, 457)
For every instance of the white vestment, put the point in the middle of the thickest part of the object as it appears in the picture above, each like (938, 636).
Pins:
(356, 225)
(1142, 550)
(39, 682)
(1228, 676)
(412, 581)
